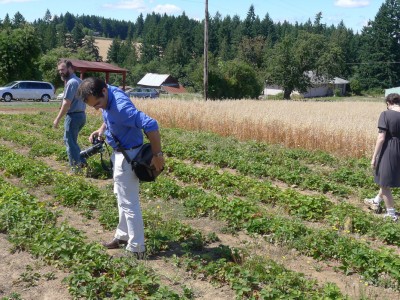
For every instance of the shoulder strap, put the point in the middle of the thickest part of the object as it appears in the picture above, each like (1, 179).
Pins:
(120, 147)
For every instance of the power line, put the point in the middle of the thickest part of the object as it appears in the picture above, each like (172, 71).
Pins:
(374, 63)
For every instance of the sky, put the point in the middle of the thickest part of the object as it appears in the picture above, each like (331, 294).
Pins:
(354, 13)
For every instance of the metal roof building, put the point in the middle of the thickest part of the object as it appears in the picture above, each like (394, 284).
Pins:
(157, 80)
(163, 82)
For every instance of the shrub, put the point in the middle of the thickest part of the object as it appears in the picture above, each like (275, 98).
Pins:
(355, 86)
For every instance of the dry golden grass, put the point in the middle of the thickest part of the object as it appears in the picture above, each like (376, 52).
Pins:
(103, 44)
(343, 128)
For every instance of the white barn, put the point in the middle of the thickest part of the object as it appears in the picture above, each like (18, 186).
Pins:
(162, 82)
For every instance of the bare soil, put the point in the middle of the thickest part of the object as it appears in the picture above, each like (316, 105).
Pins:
(31, 278)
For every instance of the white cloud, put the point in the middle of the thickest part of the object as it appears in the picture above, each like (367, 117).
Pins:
(15, 1)
(168, 9)
(352, 3)
(133, 4)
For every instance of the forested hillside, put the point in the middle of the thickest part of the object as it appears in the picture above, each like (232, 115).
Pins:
(244, 54)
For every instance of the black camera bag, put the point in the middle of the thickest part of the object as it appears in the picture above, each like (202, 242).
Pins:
(141, 164)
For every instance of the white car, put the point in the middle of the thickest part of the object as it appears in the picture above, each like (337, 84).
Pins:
(24, 89)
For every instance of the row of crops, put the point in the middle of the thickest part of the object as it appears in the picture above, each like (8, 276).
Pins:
(207, 176)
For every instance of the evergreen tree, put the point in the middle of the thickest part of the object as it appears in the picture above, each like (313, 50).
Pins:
(380, 48)
(236, 29)
(131, 31)
(46, 30)
(61, 35)
(113, 51)
(49, 38)
(139, 25)
(150, 49)
(268, 29)
(249, 29)
(89, 46)
(131, 56)
(69, 21)
(7, 21)
(77, 36)
(225, 39)
(345, 40)
(318, 27)
(47, 17)
(176, 57)
(214, 33)
(18, 20)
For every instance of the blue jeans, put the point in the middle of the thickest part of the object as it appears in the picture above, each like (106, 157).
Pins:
(73, 123)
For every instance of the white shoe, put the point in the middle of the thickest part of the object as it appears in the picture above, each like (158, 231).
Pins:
(374, 204)
(394, 217)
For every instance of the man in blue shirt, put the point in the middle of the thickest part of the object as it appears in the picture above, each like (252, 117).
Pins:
(122, 120)
(73, 108)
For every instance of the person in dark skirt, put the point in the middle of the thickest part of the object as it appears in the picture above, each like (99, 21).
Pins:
(386, 158)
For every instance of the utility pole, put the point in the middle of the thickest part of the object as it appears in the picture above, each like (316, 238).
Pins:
(205, 74)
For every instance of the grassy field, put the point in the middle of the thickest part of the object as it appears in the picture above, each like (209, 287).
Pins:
(235, 215)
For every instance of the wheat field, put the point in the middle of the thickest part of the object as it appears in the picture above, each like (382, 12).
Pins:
(342, 128)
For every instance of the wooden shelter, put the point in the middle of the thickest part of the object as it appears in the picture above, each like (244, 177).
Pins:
(83, 66)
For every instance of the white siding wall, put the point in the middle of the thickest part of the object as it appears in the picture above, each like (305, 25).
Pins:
(320, 91)
(392, 90)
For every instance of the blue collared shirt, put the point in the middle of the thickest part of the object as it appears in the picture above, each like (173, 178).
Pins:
(124, 120)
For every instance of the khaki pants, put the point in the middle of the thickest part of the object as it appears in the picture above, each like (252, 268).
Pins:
(126, 188)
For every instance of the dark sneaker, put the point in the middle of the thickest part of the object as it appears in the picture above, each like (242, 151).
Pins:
(115, 243)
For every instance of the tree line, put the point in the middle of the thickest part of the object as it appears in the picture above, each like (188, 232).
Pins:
(243, 54)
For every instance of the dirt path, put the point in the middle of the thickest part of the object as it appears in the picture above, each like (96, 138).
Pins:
(31, 278)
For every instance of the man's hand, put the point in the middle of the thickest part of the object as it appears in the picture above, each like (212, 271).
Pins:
(158, 162)
(56, 122)
(98, 134)
(66, 104)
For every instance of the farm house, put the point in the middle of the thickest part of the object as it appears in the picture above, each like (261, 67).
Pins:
(320, 87)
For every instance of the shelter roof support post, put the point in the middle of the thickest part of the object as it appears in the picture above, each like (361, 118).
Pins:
(123, 80)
